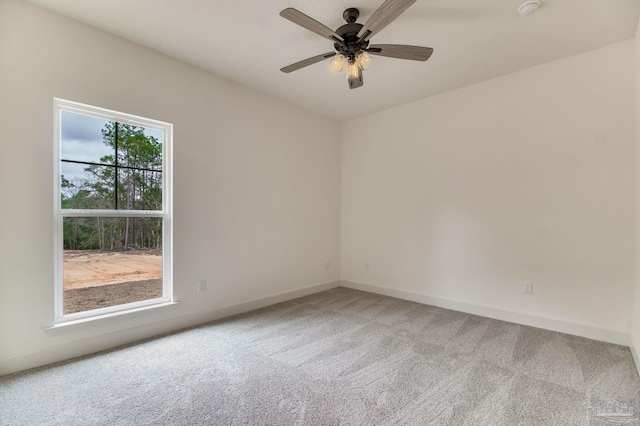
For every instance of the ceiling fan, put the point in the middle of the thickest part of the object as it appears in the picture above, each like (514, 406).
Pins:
(351, 41)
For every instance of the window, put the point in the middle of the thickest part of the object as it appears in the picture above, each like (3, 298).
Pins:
(112, 211)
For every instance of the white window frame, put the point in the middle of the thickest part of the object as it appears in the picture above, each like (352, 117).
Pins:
(60, 105)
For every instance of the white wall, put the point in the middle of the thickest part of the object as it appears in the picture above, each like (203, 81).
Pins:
(635, 326)
(530, 176)
(256, 182)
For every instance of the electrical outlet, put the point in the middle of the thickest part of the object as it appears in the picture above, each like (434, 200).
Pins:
(527, 287)
(327, 265)
(202, 286)
(366, 266)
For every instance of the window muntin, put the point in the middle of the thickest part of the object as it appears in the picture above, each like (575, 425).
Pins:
(113, 196)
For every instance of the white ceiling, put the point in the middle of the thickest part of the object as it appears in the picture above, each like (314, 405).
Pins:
(248, 42)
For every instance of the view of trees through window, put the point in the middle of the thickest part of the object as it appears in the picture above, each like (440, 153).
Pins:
(116, 258)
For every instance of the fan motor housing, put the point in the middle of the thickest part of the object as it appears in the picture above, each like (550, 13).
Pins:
(349, 32)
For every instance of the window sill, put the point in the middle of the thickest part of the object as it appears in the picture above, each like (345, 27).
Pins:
(131, 317)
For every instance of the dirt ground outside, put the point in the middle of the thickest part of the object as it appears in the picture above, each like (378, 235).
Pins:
(94, 279)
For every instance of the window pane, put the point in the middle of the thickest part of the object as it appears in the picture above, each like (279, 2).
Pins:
(139, 190)
(97, 269)
(140, 168)
(83, 140)
(87, 186)
(132, 155)
(137, 147)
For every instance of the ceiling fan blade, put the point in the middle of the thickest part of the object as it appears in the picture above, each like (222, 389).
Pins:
(383, 16)
(401, 51)
(311, 24)
(307, 62)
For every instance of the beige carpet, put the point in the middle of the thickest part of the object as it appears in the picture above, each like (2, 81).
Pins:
(338, 357)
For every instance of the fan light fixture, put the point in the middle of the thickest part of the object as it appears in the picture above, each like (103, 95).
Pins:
(353, 70)
(337, 63)
(354, 74)
(364, 60)
(355, 66)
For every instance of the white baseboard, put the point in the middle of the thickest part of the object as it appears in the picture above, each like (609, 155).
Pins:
(618, 337)
(634, 347)
(103, 341)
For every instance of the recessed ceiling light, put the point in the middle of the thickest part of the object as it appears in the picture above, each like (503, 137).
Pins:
(528, 7)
